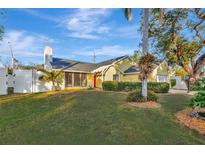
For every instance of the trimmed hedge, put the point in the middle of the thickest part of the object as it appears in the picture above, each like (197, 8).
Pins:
(173, 82)
(157, 87)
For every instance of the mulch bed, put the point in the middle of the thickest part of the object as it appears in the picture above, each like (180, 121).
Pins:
(150, 104)
(185, 118)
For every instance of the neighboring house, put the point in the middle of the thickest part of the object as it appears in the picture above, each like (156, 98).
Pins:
(159, 74)
(83, 74)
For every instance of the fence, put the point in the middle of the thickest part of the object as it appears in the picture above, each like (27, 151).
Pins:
(3, 81)
(26, 81)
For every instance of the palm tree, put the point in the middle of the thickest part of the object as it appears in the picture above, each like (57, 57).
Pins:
(128, 15)
(55, 77)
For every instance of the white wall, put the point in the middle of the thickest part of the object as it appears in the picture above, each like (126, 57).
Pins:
(180, 84)
(40, 86)
(3, 81)
(26, 81)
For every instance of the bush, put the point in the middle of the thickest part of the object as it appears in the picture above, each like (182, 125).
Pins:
(157, 87)
(198, 85)
(198, 100)
(173, 82)
(110, 85)
(135, 96)
(10, 90)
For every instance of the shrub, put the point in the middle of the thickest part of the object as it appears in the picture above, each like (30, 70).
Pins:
(199, 85)
(198, 100)
(173, 82)
(135, 96)
(110, 85)
(157, 87)
(10, 90)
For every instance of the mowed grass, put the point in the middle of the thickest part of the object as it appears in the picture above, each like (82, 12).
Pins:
(91, 117)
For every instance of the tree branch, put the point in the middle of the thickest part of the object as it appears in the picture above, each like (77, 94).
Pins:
(200, 63)
(202, 17)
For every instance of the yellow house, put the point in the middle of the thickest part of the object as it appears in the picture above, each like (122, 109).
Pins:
(83, 74)
(124, 69)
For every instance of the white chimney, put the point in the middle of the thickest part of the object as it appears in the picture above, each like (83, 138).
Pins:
(48, 58)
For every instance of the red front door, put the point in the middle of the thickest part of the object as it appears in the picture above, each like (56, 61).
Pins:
(94, 80)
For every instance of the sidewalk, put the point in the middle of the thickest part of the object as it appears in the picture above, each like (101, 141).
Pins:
(177, 91)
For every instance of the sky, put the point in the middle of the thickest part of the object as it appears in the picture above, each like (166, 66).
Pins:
(71, 33)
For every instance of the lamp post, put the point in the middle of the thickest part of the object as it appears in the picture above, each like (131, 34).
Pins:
(12, 55)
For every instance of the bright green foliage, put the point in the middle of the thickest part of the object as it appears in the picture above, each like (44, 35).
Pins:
(180, 72)
(173, 82)
(54, 76)
(136, 56)
(136, 96)
(198, 100)
(172, 40)
(200, 84)
(158, 87)
(91, 118)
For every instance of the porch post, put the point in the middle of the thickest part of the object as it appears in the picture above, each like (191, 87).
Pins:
(72, 79)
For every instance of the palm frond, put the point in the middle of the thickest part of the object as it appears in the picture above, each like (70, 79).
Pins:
(41, 69)
(128, 13)
(146, 65)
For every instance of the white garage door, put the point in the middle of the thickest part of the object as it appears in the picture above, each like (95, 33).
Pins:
(3, 81)
(162, 78)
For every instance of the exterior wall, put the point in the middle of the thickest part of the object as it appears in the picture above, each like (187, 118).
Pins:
(163, 69)
(153, 75)
(90, 82)
(108, 76)
(3, 81)
(130, 78)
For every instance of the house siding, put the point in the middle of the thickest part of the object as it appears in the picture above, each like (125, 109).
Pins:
(108, 76)
(131, 77)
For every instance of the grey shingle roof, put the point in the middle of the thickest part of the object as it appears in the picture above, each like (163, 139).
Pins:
(132, 69)
(110, 61)
(73, 65)
(135, 69)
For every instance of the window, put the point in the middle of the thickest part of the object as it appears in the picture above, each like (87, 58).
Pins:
(83, 80)
(76, 79)
(68, 79)
(116, 77)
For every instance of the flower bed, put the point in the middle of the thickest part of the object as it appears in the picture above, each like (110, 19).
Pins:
(192, 122)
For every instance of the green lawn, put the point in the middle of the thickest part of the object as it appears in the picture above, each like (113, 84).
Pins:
(91, 117)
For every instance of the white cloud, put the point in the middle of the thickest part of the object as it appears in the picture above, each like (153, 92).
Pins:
(40, 15)
(24, 44)
(115, 50)
(86, 23)
(131, 31)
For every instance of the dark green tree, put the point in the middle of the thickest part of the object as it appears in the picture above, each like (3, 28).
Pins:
(181, 38)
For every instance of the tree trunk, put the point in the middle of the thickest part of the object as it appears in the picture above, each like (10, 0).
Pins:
(187, 81)
(53, 86)
(145, 47)
(144, 89)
